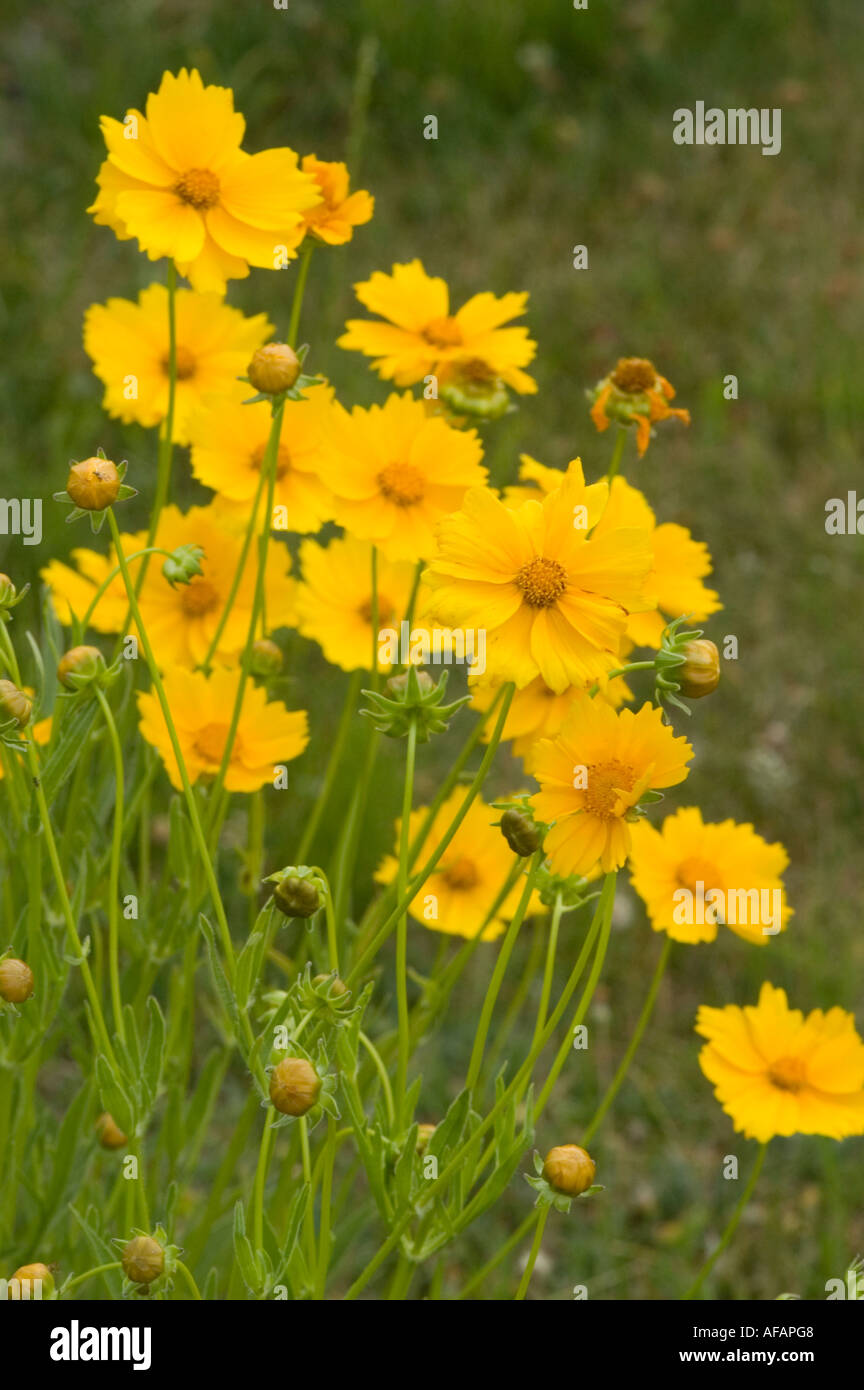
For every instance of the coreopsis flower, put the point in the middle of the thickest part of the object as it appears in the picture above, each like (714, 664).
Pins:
(420, 337)
(395, 472)
(553, 598)
(202, 706)
(178, 181)
(694, 877)
(333, 219)
(461, 892)
(228, 441)
(635, 394)
(537, 712)
(128, 344)
(592, 776)
(182, 619)
(334, 598)
(776, 1072)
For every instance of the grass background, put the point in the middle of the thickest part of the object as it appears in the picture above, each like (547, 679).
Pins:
(554, 130)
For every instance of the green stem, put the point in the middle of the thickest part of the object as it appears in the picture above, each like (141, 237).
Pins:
(114, 876)
(732, 1226)
(187, 1275)
(336, 752)
(615, 461)
(299, 288)
(402, 924)
(477, 1279)
(542, 1218)
(383, 1077)
(239, 571)
(549, 970)
(90, 1274)
(326, 1207)
(264, 1152)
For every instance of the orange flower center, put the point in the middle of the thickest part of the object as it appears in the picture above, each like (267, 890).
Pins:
(461, 875)
(186, 363)
(199, 596)
(443, 333)
(386, 610)
(788, 1073)
(283, 459)
(605, 781)
(210, 744)
(199, 188)
(694, 871)
(541, 582)
(634, 375)
(402, 484)
(475, 369)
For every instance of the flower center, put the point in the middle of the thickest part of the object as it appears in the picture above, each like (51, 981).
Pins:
(199, 188)
(386, 610)
(210, 743)
(476, 370)
(788, 1073)
(461, 875)
(541, 582)
(283, 459)
(199, 597)
(185, 363)
(634, 375)
(443, 333)
(605, 781)
(694, 872)
(402, 484)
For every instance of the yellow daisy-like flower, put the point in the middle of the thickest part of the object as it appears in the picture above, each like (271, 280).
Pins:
(777, 1072)
(635, 394)
(201, 707)
(395, 472)
(178, 181)
(553, 598)
(460, 893)
(228, 441)
(334, 598)
(128, 344)
(594, 773)
(182, 620)
(693, 877)
(422, 338)
(537, 712)
(333, 220)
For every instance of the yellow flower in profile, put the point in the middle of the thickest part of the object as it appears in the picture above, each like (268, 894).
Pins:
(694, 876)
(461, 892)
(334, 598)
(536, 712)
(228, 440)
(178, 181)
(128, 344)
(776, 1072)
(635, 394)
(201, 708)
(333, 220)
(182, 621)
(594, 773)
(396, 471)
(421, 337)
(554, 600)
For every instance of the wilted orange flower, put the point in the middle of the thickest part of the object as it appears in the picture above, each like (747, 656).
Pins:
(635, 394)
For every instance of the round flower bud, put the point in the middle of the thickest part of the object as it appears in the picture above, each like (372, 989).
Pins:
(294, 1086)
(424, 1134)
(110, 1134)
(297, 897)
(14, 704)
(520, 832)
(398, 685)
(337, 986)
(700, 674)
(86, 662)
(16, 980)
(274, 368)
(30, 1274)
(143, 1260)
(569, 1169)
(267, 659)
(93, 484)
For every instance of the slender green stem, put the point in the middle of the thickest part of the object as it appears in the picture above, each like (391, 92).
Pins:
(732, 1226)
(114, 877)
(299, 289)
(264, 1151)
(326, 1207)
(549, 969)
(239, 571)
(336, 753)
(542, 1218)
(615, 462)
(402, 924)
(187, 1275)
(90, 1274)
(477, 1279)
(383, 1077)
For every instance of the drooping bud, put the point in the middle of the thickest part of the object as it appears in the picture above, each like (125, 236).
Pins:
(274, 369)
(520, 832)
(297, 897)
(294, 1086)
(569, 1169)
(143, 1260)
(267, 658)
(110, 1134)
(700, 674)
(16, 980)
(79, 666)
(14, 704)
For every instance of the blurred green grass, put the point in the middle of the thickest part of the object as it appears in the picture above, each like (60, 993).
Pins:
(555, 130)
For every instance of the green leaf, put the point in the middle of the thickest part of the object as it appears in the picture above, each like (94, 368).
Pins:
(76, 722)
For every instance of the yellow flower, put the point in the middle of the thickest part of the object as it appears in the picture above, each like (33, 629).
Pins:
(421, 337)
(692, 877)
(334, 219)
(635, 394)
(334, 598)
(777, 1072)
(553, 599)
(182, 620)
(201, 708)
(228, 440)
(395, 472)
(128, 344)
(178, 180)
(461, 892)
(594, 773)
(537, 712)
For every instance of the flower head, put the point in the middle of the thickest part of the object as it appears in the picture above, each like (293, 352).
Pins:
(634, 394)
(16, 980)
(420, 337)
(202, 706)
(777, 1072)
(537, 712)
(569, 1169)
(294, 1086)
(177, 180)
(334, 598)
(333, 219)
(593, 775)
(143, 1260)
(128, 343)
